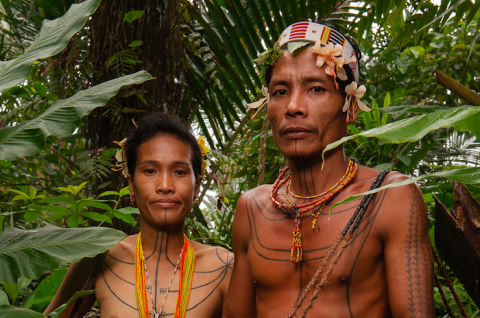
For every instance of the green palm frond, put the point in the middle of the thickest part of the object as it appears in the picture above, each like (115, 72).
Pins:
(224, 37)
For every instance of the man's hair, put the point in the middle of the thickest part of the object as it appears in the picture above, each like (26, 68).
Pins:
(346, 67)
(162, 123)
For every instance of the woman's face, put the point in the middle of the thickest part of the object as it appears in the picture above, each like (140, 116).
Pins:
(164, 183)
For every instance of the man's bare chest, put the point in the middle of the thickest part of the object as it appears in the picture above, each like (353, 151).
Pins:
(271, 238)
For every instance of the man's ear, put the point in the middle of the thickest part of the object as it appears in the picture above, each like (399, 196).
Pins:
(130, 185)
(352, 117)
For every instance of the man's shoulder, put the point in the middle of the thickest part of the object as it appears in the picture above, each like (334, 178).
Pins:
(366, 176)
(393, 199)
(261, 192)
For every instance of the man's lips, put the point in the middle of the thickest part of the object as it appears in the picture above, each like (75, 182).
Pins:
(296, 132)
(165, 203)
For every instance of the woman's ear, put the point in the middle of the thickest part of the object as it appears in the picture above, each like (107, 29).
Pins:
(130, 185)
(197, 188)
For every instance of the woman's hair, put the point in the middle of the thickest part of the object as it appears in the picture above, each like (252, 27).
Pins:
(346, 67)
(162, 123)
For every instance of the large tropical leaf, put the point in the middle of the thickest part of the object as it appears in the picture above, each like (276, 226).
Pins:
(30, 253)
(52, 39)
(46, 290)
(61, 119)
(8, 311)
(465, 175)
(415, 128)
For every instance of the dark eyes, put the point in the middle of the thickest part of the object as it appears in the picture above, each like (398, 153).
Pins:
(149, 171)
(318, 89)
(180, 172)
(280, 92)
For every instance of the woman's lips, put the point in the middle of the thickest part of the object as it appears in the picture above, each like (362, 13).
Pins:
(165, 203)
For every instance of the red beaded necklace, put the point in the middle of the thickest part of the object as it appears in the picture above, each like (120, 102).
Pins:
(292, 209)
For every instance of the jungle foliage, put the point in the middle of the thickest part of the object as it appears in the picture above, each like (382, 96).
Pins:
(61, 109)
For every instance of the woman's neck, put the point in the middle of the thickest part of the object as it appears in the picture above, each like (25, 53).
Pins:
(163, 240)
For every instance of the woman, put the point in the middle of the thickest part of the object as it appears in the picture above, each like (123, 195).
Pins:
(159, 271)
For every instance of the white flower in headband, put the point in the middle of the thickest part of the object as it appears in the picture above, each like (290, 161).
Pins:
(332, 55)
(352, 101)
(121, 158)
(326, 52)
(260, 103)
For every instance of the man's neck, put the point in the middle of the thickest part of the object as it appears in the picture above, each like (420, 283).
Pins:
(308, 178)
(164, 242)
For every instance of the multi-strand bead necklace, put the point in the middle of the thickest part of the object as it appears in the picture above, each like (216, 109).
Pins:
(186, 260)
(296, 210)
(149, 287)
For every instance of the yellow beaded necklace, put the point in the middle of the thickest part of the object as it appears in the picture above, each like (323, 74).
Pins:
(187, 266)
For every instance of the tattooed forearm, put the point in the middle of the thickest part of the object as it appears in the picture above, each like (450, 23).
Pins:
(417, 262)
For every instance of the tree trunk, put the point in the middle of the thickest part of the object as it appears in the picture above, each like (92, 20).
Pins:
(112, 54)
(457, 238)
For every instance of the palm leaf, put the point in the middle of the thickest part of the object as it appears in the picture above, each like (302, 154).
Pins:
(465, 175)
(61, 119)
(415, 128)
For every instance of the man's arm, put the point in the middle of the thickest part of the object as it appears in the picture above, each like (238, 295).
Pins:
(75, 279)
(408, 256)
(240, 300)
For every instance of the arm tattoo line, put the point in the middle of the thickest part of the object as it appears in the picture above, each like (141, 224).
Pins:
(415, 256)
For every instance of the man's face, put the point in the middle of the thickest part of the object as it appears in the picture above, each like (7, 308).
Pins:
(164, 183)
(305, 108)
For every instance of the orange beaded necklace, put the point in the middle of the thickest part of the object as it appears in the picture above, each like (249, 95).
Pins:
(294, 209)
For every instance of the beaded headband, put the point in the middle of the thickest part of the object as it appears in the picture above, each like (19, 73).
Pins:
(313, 32)
(332, 49)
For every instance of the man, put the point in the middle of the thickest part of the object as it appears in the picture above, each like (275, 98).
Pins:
(371, 257)
(158, 272)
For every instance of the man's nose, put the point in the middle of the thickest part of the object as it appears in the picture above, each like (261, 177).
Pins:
(296, 105)
(165, 183)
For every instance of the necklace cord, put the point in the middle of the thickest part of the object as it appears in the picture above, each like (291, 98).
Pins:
(343, 241)
(142, 283)
(320, 201)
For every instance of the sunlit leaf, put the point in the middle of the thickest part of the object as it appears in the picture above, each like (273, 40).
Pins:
(61, 119)
(415, 128)
(30, 253)
(52, 39)
(465, 175)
